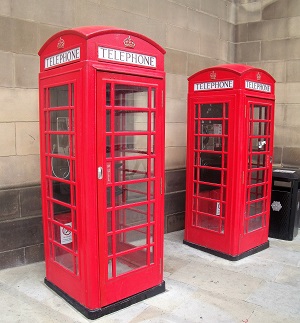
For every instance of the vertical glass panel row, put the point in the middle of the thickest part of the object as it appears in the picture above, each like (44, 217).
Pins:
(258, 148)
(60, 172)
(130, 153)
(210, 163)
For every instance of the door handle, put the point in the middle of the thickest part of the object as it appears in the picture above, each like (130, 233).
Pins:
(100, 172)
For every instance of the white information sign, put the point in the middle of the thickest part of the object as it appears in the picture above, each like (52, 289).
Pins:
(116, 55)
(216, 85)
(66, 235)
(250, 85)
(64, 57)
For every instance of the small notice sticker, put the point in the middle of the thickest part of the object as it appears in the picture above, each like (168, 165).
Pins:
(65, 234)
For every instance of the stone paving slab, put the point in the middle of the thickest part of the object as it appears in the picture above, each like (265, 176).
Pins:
(200, 287)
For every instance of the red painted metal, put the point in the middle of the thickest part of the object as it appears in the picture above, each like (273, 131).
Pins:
(102, 163)
(229, 159)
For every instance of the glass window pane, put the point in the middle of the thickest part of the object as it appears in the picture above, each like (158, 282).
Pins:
(151, 255)
(129, 95)
(257, 177)
(259, 128)
(131, 121)
(109, 221)
(108, 94)
(210, 176)
(64, 258)
(260, 112)
(152, 170)
(131, 239)
(72, 121)
(131, 145)
(61, 191)
(214, 110)
(211, 140)
(131, 261)
(131, 216)
(258, 144)
(151, 233)
(209, 202)
(108, 197)
(108, 120)
(110, 268)
(153, 127)
(59, 120)
(153, 98)
(60, 168)
(60, 144)
(258, 161)
(208, 222)
(72, 94)
(64, 216)
(132, 193)
(59, 96)
(109, 245)
(255, 224)
(131, 169)
(108, 146)
(256, 208)
(256, 192)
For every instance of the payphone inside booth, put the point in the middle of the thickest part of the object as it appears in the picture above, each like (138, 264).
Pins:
(102, 166)
(229, 160)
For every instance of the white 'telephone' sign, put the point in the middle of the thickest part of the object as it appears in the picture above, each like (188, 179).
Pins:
(64, 57)
(216, 85)
(250, 85)
(115, 55)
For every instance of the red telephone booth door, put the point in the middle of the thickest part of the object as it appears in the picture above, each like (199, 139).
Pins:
(129, 108)
(258, 173)
(59, 103)
(209, 171)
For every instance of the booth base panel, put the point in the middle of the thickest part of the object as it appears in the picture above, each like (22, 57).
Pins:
(226, 256)
(123, 303)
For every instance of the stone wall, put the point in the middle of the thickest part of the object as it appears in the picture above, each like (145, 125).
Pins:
(195, 33)
(268, 36)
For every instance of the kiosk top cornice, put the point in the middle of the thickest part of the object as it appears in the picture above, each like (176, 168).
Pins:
(239, 69)
(88, 32)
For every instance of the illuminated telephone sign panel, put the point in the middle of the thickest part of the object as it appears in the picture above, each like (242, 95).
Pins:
(102, 166)
(229, 160)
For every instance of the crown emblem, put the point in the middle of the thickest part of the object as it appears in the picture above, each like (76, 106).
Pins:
(61, 43)
(213, 75)
(258, 76)
(128, 42)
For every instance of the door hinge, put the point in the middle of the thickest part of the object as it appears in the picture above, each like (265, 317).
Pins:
(243, 177)
(162, 99)
(161, 186)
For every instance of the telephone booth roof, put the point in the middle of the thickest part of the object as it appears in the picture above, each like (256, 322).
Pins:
(117, 46)
(242, 77)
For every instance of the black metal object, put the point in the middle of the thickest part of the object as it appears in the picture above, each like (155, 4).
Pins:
(227, 256)
(285, 200)
(123, 303)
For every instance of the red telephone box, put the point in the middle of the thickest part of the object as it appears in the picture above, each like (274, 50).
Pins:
(229, 160)
(102, 166)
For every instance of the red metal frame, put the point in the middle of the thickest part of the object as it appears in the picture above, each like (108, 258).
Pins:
(229, 160)
(85, 129)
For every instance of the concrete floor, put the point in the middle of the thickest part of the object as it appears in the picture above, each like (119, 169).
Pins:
(263, 288)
